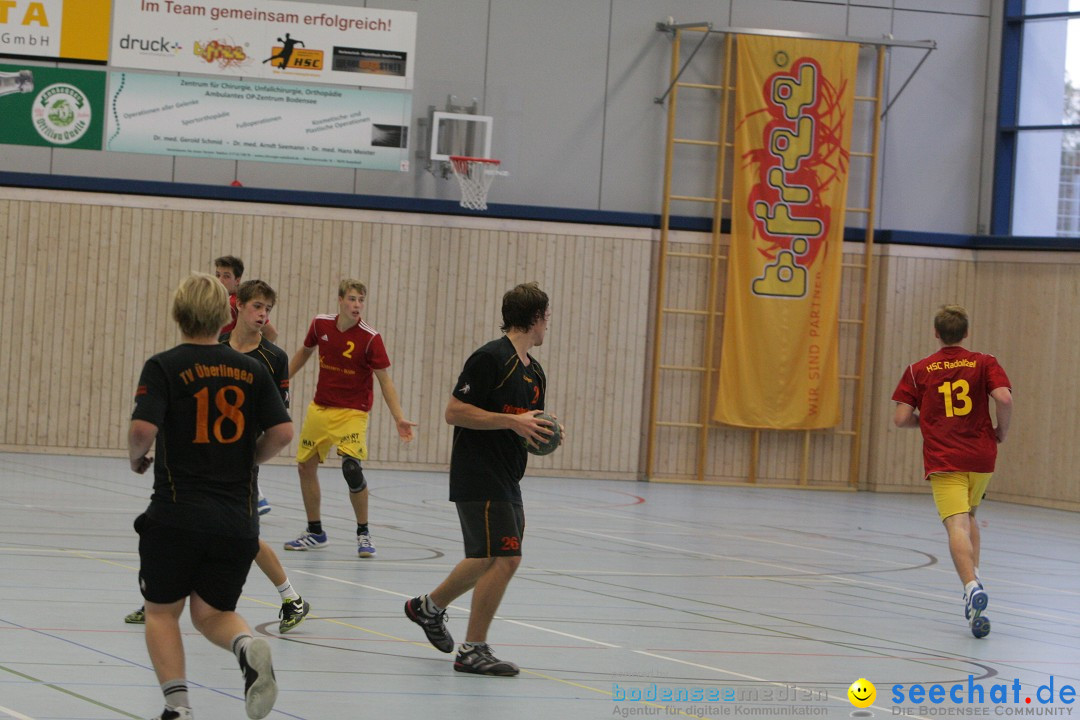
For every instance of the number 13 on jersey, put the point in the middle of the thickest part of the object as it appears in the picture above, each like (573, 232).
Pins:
(957, 399)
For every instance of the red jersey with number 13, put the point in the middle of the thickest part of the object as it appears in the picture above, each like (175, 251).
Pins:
(346, 362)
(951, 390)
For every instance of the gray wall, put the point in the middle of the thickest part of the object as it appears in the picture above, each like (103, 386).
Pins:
(571, 84)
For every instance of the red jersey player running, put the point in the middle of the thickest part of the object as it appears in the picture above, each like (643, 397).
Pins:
(350, 352)
(947, 396)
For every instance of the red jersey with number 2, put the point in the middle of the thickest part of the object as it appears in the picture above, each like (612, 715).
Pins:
(951, 390)
(346, 362)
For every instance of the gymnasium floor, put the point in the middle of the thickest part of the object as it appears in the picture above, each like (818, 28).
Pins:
(746, 602)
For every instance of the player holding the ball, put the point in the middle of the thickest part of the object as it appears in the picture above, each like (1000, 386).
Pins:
(495, 404)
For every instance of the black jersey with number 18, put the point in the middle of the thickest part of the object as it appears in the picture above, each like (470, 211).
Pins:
(209, 403)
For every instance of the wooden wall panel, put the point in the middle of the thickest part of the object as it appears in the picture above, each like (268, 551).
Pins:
(87, 281)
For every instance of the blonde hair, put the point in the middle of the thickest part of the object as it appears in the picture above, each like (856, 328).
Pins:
(349, 284)
(201, 306)
(951, 323)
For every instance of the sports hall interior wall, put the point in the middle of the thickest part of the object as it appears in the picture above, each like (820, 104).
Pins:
(87, 279)
(571, 83)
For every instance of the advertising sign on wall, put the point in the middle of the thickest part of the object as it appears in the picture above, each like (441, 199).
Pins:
(51, 107)
(55, 29)
(255, 120)
(793, 109)
(268, 39)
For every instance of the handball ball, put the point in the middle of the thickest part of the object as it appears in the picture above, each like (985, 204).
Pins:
(547, 445)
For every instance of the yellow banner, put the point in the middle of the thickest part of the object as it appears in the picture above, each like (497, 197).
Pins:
(793, 108)
(56, 29)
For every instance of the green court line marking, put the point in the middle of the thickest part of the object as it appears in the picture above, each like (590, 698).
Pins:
(73, 694)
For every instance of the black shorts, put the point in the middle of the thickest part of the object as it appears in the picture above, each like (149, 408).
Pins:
(174, 562)
(491, 528)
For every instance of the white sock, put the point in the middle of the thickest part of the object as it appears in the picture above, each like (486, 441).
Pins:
(977, 579)
(285, 590)
(969, 587)
(429, 606)
(239, 643)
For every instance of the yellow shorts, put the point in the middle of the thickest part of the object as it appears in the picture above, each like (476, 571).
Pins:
(325, 427)
(958, 492)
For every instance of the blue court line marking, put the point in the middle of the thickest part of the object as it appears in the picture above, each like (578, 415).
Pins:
(118, 659)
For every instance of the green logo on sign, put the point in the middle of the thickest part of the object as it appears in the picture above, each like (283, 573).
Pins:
(61, 114)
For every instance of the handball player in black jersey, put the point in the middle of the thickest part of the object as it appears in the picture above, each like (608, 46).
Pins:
(211, 414)
(493, 409)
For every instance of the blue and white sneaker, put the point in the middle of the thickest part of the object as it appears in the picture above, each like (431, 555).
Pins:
(308, 541)
(975, 603)
(264, 505)
(364, 548)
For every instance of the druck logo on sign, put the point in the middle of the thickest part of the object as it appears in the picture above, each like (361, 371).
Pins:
(157, 45)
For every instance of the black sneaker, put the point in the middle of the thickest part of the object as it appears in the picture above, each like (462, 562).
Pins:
(434, 625)
(260, 686)
(180, 713)
(292, 613)
(478, 659)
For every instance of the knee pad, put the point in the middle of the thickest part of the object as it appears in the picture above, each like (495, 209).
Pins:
(354, 475)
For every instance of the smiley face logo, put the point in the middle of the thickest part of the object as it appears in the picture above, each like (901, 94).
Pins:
(862, 693)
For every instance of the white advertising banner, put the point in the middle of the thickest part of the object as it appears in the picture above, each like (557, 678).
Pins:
(259, 121)
(267, 39)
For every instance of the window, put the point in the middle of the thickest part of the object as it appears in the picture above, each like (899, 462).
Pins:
(1037, 176)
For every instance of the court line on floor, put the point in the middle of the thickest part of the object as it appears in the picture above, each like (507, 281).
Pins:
(12, 713)
(802, 573)
(53, 686)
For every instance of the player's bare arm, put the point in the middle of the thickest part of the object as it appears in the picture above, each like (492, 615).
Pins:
(141, 436)
(299, 358)
(270, 332)
(1002, 410)
(393, 403)
(526, 425)
(273, 441)
(904, 416)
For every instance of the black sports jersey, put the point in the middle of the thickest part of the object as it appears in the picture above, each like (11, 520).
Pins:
(209, 403)
(275, 359)
(488, 464)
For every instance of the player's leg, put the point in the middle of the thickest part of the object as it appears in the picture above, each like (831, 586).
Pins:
(958, 527)
(168, 558)
(314, 445)
(293, 607)
(979, 482)
(350, 430)
(505, 529)
(487, 594)
(264, 504)
(163, 640)
(952, 495)
(213, 612)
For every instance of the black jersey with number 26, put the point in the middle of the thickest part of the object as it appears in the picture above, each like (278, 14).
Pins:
(209, 403)
(488, 464)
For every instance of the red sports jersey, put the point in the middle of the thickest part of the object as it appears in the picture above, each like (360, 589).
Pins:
(346, 361)
(232, 323)
(951, 390)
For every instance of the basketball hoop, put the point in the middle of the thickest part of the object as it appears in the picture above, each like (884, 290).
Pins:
(475, 176)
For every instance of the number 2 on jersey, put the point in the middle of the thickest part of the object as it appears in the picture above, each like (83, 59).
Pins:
(961, 403)
(229, 411)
